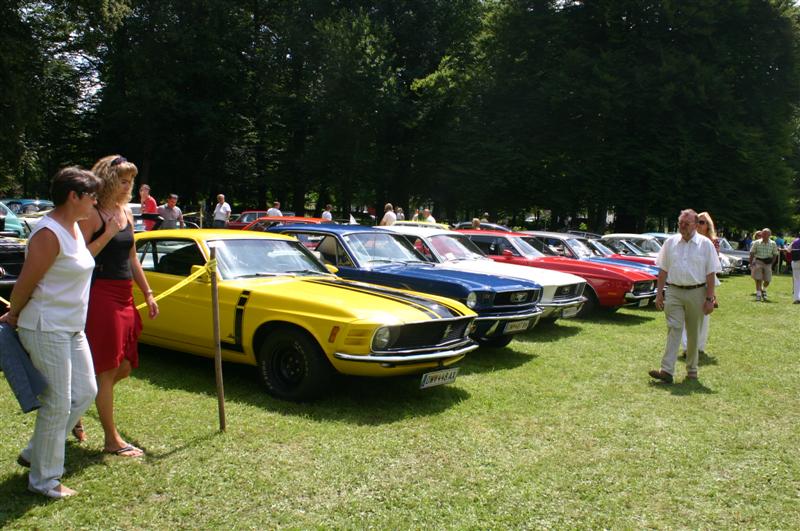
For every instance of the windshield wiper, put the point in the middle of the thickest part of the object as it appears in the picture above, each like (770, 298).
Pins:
(309, 272)
(263, 274)
(380, 260)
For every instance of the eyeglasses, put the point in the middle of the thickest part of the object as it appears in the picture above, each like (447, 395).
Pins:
(701, 222)
(93, 195)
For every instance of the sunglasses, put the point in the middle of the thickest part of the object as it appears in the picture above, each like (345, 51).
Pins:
(93, 195)
(701, 222)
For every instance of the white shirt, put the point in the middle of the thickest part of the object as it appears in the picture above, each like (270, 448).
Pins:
(327, 216)
(61, 298)
(430, 219)
(222, 211)
(274, 212)
(389, 218)
(688, 263)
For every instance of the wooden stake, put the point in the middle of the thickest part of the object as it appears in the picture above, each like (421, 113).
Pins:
(217, 346)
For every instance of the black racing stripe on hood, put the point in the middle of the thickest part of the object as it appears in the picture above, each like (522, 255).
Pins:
(432, 308)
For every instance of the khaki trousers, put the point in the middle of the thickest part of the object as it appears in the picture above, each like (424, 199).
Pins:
(682, 306)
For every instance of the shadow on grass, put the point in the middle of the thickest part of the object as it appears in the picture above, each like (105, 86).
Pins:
(547, 332)
(683, 388)
(643, 315)
(494, 359)
(15, 498)
(351, 399)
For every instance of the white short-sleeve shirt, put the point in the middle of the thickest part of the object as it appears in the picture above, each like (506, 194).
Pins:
(687, 263)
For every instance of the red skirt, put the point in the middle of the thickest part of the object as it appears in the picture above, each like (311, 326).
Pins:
(112, 324)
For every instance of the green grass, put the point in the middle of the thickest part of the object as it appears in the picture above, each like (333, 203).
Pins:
(561, 429)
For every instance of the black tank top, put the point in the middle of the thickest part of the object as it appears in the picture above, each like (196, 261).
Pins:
(113, 262)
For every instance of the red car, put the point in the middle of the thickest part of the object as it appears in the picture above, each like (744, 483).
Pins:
(608, 286)
(247, 217)
(263, 223)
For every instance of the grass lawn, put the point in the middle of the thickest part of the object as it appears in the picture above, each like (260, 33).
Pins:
(561, 429)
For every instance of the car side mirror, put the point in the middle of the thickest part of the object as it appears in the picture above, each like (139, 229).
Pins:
(205, 278)
(332, 268)
(507, 253)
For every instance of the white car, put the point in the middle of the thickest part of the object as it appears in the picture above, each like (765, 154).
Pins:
(649, 244)
(562, 293)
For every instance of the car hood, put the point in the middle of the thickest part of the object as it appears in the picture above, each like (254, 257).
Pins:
(653, 270)
(581, 268)
(470, 280)
(543, 277)
(347, 300)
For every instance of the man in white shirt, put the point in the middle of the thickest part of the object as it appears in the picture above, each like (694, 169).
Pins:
(326, 215)
(389, 217)
(426, 216)
(275, 210)
(222, 211)
(688, 266)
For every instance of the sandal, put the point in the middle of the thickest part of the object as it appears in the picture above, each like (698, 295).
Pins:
(78, 432)
(128, 450)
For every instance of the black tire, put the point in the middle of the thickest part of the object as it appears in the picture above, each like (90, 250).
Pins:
(590, 306)
(495, 342)
(293, 367)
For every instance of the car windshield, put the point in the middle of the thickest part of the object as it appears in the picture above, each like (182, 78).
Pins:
(647, 245)
(453, 248)
(579, 248)
(379, 247)
(601, 249)
(725, 245)
(533, 246)
(261, 257)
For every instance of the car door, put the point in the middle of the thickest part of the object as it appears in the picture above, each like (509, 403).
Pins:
(166, 262)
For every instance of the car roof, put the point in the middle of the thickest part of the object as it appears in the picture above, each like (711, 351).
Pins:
(210, 234)
(628, 235)
(411, 223)
(491, 232)
(286, 220)
(426, 232)
(331, 228)
(550, 234)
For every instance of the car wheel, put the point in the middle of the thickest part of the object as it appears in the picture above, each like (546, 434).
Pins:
(590, 305)
(293, 367)
(495, 342)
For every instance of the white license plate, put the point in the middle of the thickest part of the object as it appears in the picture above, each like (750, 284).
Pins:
(643, 303)
(570, 312)
(444, 376)
(516, 326)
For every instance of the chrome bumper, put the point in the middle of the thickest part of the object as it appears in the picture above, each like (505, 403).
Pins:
(565, 303)
(509, 316)
(631, 297)
(399, 359)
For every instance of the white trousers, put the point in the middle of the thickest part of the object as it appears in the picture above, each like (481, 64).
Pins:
(64, 359)
(682, 306)
(796, 279)
(702, 338)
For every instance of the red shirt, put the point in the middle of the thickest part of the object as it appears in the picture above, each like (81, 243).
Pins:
(149, 207)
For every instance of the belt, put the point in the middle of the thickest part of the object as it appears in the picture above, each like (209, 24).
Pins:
(694, 286)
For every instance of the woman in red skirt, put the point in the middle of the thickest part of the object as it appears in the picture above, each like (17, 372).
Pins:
(113, 324)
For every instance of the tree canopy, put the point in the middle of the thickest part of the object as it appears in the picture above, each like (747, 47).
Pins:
(639, 107)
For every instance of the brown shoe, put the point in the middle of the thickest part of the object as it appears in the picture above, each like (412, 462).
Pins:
(664, 376)
(691, 376)
(78, 432)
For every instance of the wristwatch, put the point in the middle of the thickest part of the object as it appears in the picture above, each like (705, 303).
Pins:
(709, 299)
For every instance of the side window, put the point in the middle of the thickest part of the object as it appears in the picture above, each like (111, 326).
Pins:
(486, 244)
(559, 247)
(171, 257)
(422, 248)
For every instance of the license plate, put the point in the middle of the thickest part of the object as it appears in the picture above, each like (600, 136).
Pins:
(516, 326)
(444, 376)
(643, 303)
(570, 312)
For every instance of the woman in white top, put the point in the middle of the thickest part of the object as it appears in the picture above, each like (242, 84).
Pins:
(48, 305)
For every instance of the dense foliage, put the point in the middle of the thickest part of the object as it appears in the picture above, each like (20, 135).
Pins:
(640, 107)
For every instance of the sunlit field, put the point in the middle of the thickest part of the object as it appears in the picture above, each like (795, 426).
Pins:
(563, 428)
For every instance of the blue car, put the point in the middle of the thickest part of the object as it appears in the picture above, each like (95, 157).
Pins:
(505, 306)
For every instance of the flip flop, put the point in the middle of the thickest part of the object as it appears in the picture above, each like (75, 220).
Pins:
(79, 432)
(122, 452)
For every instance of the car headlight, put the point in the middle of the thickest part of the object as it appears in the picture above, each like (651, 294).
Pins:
(472, 300)
(382, 338)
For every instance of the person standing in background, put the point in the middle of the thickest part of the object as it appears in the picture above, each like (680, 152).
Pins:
(326, 214)
(399, 213)
(795, 250)
(275, 211)
(149, 205)
(222, 211)
(173, 217)
(48, 305)
(426, 216)
(389, 217)
(763, 253)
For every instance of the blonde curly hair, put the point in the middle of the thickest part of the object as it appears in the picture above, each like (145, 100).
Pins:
(111, 170)
(712, 231)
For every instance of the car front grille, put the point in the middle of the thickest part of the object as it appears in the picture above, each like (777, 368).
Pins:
(518, 298)
(642, 287)
(430, 334)
(569, 291)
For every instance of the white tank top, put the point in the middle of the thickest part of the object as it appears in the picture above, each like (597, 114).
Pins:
(61, 298)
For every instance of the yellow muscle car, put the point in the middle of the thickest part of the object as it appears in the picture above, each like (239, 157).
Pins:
(283, 311)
